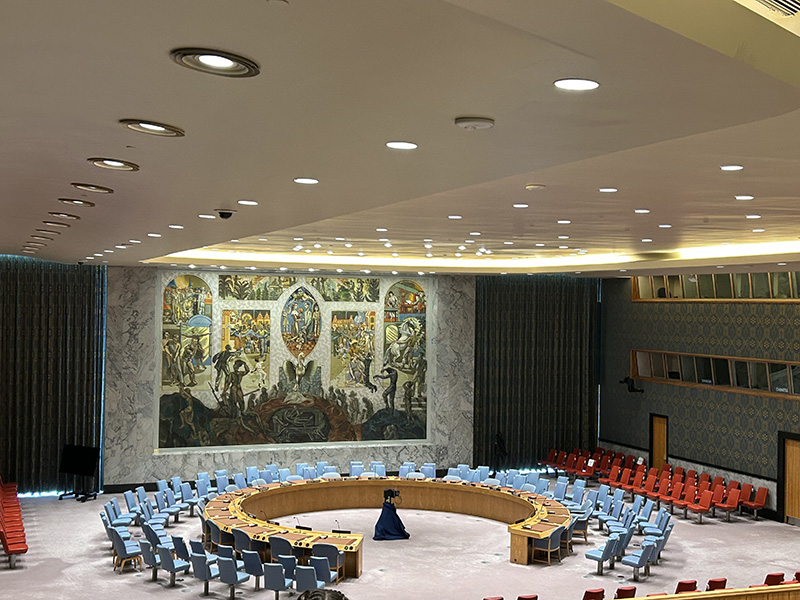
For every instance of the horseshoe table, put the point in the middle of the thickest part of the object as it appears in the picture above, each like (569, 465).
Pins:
(529, 516)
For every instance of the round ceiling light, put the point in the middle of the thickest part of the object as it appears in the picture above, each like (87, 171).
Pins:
(535, 186)
(62, 215)
(42, 237)
(49, 231)
(216, 62)
(113, 164)
(576, 85)
(56, 224)
(608, 190)
(473, 123)
(731, 167)
(306, 180)
(152, 128)
(74, 202)
(90, 187)
(247, 202)
(401, 145)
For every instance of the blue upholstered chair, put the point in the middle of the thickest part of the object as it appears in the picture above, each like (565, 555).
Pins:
(300, 468)
(532, 477)
(309, 473)
(429, 469)
(548, 545)
(333, 554)
(253, 565)
(229, 574)
(197, 548)
(156, 536)
(151, 560)
(203, 570)
(168, 563)
(176, 484)
(114, 518)
(380, 470)
(251, 473)
(152, 517)
(203, 476)
(279, 545)
(321, 464)
(305, 578)
(288, 562)
(187, 497)
(225, 551)
(604, 553)
(640, 559)
(173, 511)
(294, 478)
(180, 549)
(356, 469)
(322, 568)
(126, 552)
(169, 497)
(222, 483)
(239, 480)
(283, 474)
(275, 578)
(518, 482)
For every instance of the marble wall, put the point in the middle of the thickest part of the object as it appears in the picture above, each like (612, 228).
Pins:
(132, 388)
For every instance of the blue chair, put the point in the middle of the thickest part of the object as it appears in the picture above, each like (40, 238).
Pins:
(322, 568)
(205, 478)
(581, 526)
(331, 475)
(232, 487)
(164, 509)
(224, 551)
(266, 475)
(188, 498)
(356, 470)
(321, 464)
(550, 544)
(253, 565)
(251, 473)
(169, 497)
(503, 479)
(151, 517)
(527, 487)
(451, 478)
(532, 477)
(576, 495)
(275, 578)
(222, 483)
(279, 545)
(221, 473)
(463, 471)
(639, 559)
(230, 575)
(239, 480)
(170, 564)
(258, 482)
(541, 485)
(560, 491)
(604, 553)
(176, 483)
(197, 548)
(114, 518)
(180, 549)
(242, 541)
(283, 474)
(305, 578)
(288, 562)
(518, 482)
(602, 494)
(300, 468)
(566, 537)
(380, 470)
(483, 472)
(309, 473)
(219, 537)
(203, 490)
(294, 478)
(333, 554)
(273, 468)
(150, 559)
(615, 515)
(511, 473)
(203, 570)
(162, 486)
(376, 463)
(121, 529)
(415, 475)
(118, 511)
(330, 469)
(660, 541)
(125, 551)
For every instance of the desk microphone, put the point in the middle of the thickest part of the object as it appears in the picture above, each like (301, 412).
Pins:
(298, 521)
(337, 523)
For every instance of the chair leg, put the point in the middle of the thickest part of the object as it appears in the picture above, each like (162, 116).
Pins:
(699, 518)
(258, 582)
(172, 579)
(599, 567)
(155, 574)
(205, 588)
(755, 513)
(233, 591)
(636, 573)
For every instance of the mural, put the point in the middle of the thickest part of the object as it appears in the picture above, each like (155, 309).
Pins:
(186, 329)
(352, 348)
(334, 289)
(253, 287)
(300, 322)
(235, 394)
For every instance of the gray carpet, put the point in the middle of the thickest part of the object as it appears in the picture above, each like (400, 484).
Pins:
(447, 556)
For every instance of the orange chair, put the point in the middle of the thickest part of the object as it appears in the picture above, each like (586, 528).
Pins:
(747, 492)
(716, 584)
(717, 495)
(528, 597)
(551, 457)
(613, 476)
(770, 579)
(701, 508)
(624, 480)
(595, 594)
(758, 502)
(688, 585)
(673, 494)
(628, 591)
(730, 504)
(688, 498)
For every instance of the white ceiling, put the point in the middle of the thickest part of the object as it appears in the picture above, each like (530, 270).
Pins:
(339, 79)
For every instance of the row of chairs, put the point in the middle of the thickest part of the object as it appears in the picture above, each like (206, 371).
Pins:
(12, 529)
(689, 586)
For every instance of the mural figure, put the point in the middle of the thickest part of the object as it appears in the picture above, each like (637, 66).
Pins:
(352, 347)
(186, 326)
(253, 287)
(300, 322)
(391, 389)
(334, 289)
(248, 332)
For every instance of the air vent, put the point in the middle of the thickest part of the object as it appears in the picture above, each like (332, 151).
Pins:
(788, 8)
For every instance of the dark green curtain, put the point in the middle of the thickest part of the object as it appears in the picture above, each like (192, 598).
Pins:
(536, 367)
(52, 319)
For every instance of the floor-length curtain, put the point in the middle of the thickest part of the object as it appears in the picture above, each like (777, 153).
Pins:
(52, 328)
(536, 367)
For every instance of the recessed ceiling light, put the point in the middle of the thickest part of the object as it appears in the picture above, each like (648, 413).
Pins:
(388, 244)
(427, 240)
(348, 245)
(251, 268)
(462, 247)
(539, 245)
(108, 251)
(98, 254)
(310, 269)
(307, 250)
(152, 128)
(121, 246)
(330, 252)
(50, 231)
(298, 239)
(474, 123)
(90, 258)
(744, 197)
(608, 190)
(720, 266)
(204, 216)
(474, 233)
(361, 254)
(216, 62)
(781, 264)
(402, 145)
(576, 85)
(458, 254)
(746, 216)
(281, 268)
(428, 245)
(39, 244)
(563, 247)
(338, 270)
(306, 180)
(469, 241)
(173, 226)
(395, 254)
(317, 245)
(454, 217)
(563, 237)
(29, 251)
(383, 240)
(381, 229)
(135, 241)
(420, 272)
(509, 243)
(534, 186)
(646, 240)
(394, 272)
(564, 222)
(759, 230)
(665, 226)
(63, 215)
(41, 237)
(339, 239)
(623, 270)
(90, 187)
(74, 202)
(113, 163)
(366, 271)
(263, 239)
(154, 235)
(223, 267)
(520, 205)
(731, 167)
(641, 211)
(429, 255)
(247, 202)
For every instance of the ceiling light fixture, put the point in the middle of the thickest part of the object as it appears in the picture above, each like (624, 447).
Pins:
(641, 211)
(135, 241)
(665, 226)
(154, 235)
(474, 232)
(74, 202)
(247, 202)
(454, 217)
(731, 167)
(41, 237)
(401, 145)
(576, 85)
(50, 231)
(306, 180)
(564, 222)
(540, 245)
(474, 123)
(746, 216)
(520, 205)
(759, 230)
(380, 229)
(508, 243)
(204, 216)
(90, 187)
(563, 237)
(173, 226)
(744, 197)
(63, 215)
(646, 240)
(121, 246)
(608, 190)
(114, 164)
(215, 62)
(152, 128)
(534, 186)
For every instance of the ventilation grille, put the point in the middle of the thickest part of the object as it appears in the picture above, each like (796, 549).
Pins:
(787, 8)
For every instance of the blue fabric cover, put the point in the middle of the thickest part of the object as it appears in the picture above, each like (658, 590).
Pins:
(389, 525)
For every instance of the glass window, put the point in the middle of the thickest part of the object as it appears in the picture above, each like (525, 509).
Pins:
(673, 366)
(674, 286)
(760, 285)
(690, 286)
(741, 285)
(687, 369)
(704, 370)
(643, 285)
(778, 378)
(643, 364)
(758, 376)
(780, 285)
(660, 287)
(722, 372)
(740, 372)
(795, 370)
(795, 279)
(723, 283)
(658, 365)
(706, 285)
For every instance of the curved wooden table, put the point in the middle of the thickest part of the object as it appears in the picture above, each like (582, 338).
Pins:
(530, 516)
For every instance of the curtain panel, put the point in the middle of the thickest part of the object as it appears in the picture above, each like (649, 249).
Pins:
(536, 367)
(52, 318)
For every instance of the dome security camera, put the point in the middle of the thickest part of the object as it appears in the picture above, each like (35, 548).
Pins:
(225, 213)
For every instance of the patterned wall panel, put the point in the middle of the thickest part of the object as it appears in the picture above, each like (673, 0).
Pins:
(725, 429)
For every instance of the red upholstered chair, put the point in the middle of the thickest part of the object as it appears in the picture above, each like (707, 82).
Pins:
(674, 494)
(493, 598)
(595, 594)
(703, 507)
(758, 502)
(635, 484)
(528, 597)
(624, 480)
(613, 475)
(551, 457)
(717, 495)
(688, 498)
(773, 579)
(662, 488)
(717, 481)
(730, 504)
(687, 585)
(691, 474)
(792, 581)
(679, 472)
(716, 584)
(628, 591)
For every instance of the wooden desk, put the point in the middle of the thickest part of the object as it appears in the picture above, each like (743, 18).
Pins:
(530, 516)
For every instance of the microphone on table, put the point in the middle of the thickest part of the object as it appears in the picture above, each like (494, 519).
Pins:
(338, 530)
(303, 527)
(337, 523)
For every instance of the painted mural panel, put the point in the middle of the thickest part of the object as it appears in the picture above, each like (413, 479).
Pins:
(335, 289)
(247, 333)
(352, 348)
(253, 287)
(300, 322)
(186, 328)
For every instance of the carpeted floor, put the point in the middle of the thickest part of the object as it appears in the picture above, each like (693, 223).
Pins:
(447, 556)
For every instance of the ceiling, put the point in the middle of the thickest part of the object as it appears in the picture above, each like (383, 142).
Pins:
(683, 90)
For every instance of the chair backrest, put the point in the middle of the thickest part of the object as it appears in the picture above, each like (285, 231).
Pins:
(200, 566)
(170, 497)
(251, 473)
(239, 480)
(773, 579)
(483, 471)
(147, 554)
(165, 554)
(705, 499)
(197, 547)
(274, 577)
(274, 469)
(677, 491)
(283, 473)
(747, 491)
(555, 537)
(594, 594)
(688, 585)
(560, 491)
(130, 500)
(305, 578)
(202, 487)
(225, 551)
(222, 483)
(761, 497)
(231, 487)
(577, 489)
(227, 571)
(288, 562)
(221, 473)
(162, 485)
(451, 478)
(279, 545)
(519, 481)
(733, 498)
(252, 562)
(403, 471)
(380, 470)
(428, 470)
(150, 534)
(609, 549)
(322, 567)
(204, 477)
(266, 475)
(716, 584)
(356, 470)
(294, 478)
(637, 504)
(214, 530)
(321, 464)
(331, 476)
(495, 481)
(180, 548)
(332, 553)
(628, 591)
(176, 484)
(186, 492)
(241, 540)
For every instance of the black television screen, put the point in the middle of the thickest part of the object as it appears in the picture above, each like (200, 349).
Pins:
(79, 460)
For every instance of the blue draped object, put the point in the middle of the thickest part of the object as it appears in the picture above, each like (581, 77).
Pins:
(389, 525)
